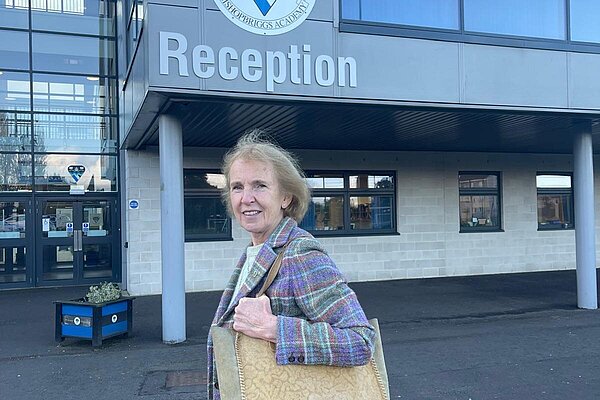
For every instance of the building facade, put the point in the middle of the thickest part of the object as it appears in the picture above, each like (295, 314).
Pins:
(441, 138)
(59, 203)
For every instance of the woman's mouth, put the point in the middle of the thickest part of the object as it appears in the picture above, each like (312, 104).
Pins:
(250, 213)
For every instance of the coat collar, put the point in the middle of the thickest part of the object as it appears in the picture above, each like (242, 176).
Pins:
(265, 258)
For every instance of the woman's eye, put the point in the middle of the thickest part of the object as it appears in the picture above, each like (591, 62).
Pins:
(236, 188)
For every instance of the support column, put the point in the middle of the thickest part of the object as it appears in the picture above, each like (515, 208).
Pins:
(585, 231)
(171, 229)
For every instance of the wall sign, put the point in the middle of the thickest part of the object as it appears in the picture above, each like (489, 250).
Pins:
(266, 17)
(269, 66)
(76, 171)
(134, 204)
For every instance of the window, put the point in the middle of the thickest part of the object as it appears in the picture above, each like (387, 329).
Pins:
(92, 17)
(442, 14)
(14, 50)
(479, 198)
(565, 25)
(554, 201)
(584, 16)
(346, 203)
(205, 215)
(135, 10)
(533, 18)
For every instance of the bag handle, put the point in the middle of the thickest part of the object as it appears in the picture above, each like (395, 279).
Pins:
(273, 271)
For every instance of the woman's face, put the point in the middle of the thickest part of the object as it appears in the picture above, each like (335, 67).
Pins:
(256, 199)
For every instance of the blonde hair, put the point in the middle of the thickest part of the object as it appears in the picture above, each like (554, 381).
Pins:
(254, 146)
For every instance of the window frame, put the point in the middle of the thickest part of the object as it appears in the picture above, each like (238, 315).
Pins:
(556, 191)
(205, 194)
(346, 193)
(481, 192)
(463, 36)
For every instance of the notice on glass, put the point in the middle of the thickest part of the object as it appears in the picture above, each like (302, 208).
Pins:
(45, 224)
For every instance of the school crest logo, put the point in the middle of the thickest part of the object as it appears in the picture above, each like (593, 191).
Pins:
(266, 17)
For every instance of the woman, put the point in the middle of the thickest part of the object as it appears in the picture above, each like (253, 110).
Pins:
(310, 313)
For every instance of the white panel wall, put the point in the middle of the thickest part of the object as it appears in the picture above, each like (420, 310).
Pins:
(428, 245)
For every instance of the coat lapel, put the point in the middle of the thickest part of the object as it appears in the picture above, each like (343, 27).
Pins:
(265, 258)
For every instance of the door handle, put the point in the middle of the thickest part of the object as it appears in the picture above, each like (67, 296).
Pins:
(77, 240)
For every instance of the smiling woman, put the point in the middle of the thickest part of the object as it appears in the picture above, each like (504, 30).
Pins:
(309, 311)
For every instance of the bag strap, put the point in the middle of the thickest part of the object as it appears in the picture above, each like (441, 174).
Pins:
(273, 271)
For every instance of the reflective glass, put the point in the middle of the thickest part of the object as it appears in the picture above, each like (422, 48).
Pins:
(55, 217)
(97, 214)
(427, 13)
(371, 212)
(97, 261)
(74, 133)
(62, 172)
(534, 18)
(200, 180)
(479, 211)
(324, 214)
(15, 172)
(92, 17)
(366, 181)
(14, 14)
(15, 131)
(553, 181)
(57, 262)
(12, 223)
(325, 181)
(14, 91)
(14, 50)
(477, 181)
(206, 217)
(64, 53)
(351, 9)
(555, 211)
(585, 15)
(74, 94)
(13, 264)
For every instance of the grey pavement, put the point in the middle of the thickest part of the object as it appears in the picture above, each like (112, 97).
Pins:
(515, 336)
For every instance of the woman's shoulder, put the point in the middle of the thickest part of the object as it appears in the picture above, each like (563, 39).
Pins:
(302, 241)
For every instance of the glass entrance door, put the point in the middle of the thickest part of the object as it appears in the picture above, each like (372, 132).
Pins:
(78, 241)
(16, 266)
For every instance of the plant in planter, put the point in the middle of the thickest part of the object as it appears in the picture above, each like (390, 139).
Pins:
(101, 314)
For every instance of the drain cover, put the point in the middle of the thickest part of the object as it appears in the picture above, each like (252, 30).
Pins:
(183, 381)
(185, 378)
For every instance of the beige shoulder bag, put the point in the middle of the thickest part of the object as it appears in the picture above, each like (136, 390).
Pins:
(247, 369)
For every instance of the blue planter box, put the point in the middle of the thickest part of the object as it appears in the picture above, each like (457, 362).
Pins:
(91, 321)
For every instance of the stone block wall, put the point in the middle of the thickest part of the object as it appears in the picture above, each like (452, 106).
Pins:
(428, 243)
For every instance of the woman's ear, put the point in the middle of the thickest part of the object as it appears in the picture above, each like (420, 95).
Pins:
(287, 200)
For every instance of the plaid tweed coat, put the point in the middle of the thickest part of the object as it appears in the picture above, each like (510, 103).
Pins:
(319, 319)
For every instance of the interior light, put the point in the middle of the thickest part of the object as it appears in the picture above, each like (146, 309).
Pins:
(1, 72)
(92, 78)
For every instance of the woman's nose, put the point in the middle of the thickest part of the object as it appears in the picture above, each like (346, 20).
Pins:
(247, 196)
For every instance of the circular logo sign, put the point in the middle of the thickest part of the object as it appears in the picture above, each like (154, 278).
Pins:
(266, 17)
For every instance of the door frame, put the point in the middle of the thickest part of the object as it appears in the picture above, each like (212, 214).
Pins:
(28, 242)
(78, 269)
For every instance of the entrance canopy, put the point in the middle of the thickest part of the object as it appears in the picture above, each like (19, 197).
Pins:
(207, 122)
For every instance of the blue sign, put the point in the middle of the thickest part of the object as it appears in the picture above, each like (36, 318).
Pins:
(76, 171)
(134, 204)
(264, 5)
